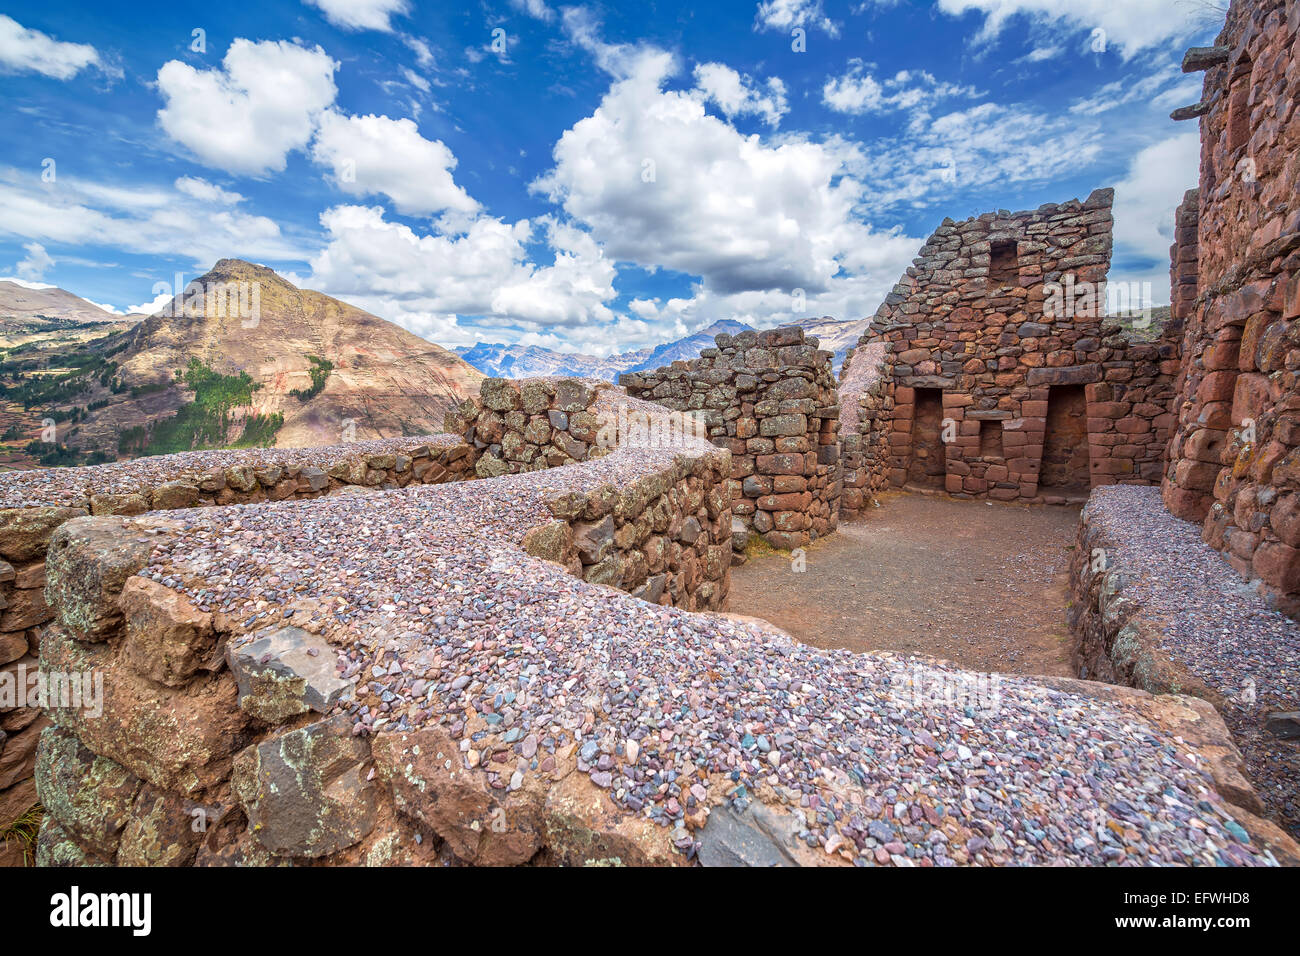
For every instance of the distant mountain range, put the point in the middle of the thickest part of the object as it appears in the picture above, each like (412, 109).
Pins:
(522, 361)
(27, 309)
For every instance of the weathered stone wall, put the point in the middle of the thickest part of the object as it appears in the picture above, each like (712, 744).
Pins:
(1235, 459)
(1150, 605)
(198, 479)
(866, 409)
(998, 318)
(666, 539)
(265, 733)
(529, 425)
(770, 398)
(1184, 262)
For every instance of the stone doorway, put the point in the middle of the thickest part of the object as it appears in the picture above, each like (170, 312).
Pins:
(1065, 446)
(927, 466)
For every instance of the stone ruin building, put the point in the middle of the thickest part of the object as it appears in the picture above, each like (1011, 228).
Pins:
(770, 398)
(998, 335)
(1234, 460)
(509, 643)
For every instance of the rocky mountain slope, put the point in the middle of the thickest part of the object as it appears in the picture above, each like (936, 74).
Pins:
(22, 308)
(384, 380)
(294, 368)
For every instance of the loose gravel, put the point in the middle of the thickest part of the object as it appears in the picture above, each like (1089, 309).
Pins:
(442, 618)
(74, 486)
(1217, 627)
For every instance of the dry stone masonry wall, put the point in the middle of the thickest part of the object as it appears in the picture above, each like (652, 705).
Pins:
(195, 679)
(770, 398)
(866, 411)
(418, 676)
(35, 504)
(1153, 606)
(1006, 379)
(666, 539)
(1234, 461)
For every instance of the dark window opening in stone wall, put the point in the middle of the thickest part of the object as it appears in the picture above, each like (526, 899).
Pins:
(927, 467)
(990, 439)
(1239, 105)
(1065, 446)
(1004, 266)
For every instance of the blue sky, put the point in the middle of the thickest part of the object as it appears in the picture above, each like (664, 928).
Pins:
(588, 177)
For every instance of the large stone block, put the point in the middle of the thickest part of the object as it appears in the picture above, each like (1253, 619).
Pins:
(307, 792)
(87, 566)
(285, 671)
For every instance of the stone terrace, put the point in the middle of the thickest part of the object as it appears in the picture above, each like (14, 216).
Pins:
(413, 676)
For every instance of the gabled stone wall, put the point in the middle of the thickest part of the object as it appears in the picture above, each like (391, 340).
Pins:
(770, 398)
(995, 315)
(1234, 462)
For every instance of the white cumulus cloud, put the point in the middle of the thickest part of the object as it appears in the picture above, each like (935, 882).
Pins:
(738, 95)
(362, 14)
(36, 263)
(24, 50)
(785, 15)
(371, 155)
(247, 116)
(1129, 25)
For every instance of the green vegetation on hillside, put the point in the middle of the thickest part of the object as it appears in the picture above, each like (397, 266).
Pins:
(205, 422)
(32, 390)
(319, 372)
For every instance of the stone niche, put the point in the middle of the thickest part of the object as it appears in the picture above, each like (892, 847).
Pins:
(1002, 376)
(770, 398)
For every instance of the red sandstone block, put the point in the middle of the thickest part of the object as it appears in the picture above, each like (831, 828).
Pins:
(1132, 426)
(1278, 564)
(1108, 409)
(1250, 397)
(1030, 409)
(1185, 503)
(1215, 415)
(1196, 475)
(1220, 356)
(953, 483)
(904, 395)
(1291, 298)
(780, 464)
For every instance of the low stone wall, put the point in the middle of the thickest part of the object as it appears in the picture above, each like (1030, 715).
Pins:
(866, 406)
(665, 539)
(418, 677)
(529, 425)
(34, 504)
(770, 398)
(193, 680)
(1155, 607)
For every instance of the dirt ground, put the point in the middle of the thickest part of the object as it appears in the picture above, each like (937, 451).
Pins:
(983, 585)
